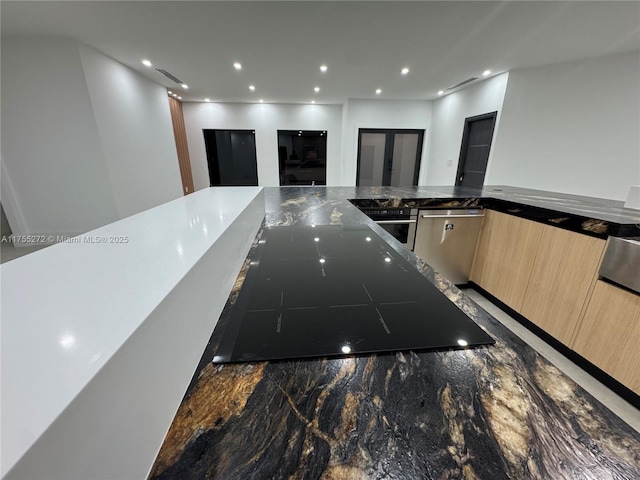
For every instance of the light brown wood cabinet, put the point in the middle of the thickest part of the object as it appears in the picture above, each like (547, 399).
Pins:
(550, 276)
(505, 256)
(609, 335)
(564, 269)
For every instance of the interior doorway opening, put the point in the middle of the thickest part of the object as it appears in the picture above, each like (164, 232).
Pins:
(231, 157)
(302, 157)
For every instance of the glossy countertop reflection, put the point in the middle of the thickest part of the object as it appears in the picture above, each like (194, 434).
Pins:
(327, 290)
(68, 308)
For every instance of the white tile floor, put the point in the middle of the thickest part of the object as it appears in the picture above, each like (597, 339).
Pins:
(610, 399)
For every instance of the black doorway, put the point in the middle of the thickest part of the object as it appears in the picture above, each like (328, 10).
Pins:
(302, 157)
(389, 157)
(474, 152)
(231, 157)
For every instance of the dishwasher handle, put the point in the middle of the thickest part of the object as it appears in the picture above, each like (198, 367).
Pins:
(388, 222)
(479, 215)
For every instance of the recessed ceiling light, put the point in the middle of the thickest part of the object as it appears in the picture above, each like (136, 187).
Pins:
(252, 87)
(404, 71)
(207, 99)
(185, 86)
(440, 92)
(378, 91)
(316, 89)
(313, 101)
(237, 66)
(261, 101)
(146, 63)
(486, 72)
(170, 92)
(179, 98)
(323, 68)
(175, 94)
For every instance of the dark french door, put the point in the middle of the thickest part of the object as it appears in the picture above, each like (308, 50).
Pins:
(389, 157)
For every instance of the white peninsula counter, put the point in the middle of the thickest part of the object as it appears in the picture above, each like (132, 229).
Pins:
(100, 335)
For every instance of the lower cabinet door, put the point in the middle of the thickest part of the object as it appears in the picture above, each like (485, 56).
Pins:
(609, 335)
(566, 265)
(505, 256)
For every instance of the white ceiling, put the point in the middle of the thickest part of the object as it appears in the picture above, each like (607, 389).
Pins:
(365, 44)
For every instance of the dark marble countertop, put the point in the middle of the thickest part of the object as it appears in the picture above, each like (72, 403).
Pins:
(592, 216)
(589, 207)
(486, 413)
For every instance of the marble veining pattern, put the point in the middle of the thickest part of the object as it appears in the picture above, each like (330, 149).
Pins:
(591, 216)
(501, 412)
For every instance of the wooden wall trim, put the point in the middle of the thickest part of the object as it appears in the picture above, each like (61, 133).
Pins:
(180, 135)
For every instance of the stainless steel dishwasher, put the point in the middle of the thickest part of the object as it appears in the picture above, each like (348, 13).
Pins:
(446, 240)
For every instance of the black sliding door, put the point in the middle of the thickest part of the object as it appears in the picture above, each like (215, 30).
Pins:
(302, 156)
(231, 157)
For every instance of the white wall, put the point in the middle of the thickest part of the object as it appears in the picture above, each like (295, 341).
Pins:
(266, 120)
(572, 127)
(380, 114)
(85, 140)
(52, 159)
(6, 228)
(134, 125)
(449, 114)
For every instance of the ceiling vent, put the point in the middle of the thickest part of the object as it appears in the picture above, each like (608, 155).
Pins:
(168, 75)
(464, 82)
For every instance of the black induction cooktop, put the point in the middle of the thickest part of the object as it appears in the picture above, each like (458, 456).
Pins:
(335, 290)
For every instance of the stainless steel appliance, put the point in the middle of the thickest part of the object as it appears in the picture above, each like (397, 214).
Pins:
(446, 240)
(399, 222)
(621, 262)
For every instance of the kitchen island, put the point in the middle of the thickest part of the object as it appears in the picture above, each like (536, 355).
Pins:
(492, 412)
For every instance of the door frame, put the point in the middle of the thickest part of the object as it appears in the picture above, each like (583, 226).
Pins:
(388, 151)
(465, 140)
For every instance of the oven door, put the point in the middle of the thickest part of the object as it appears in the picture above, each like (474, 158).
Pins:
(402, 230)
